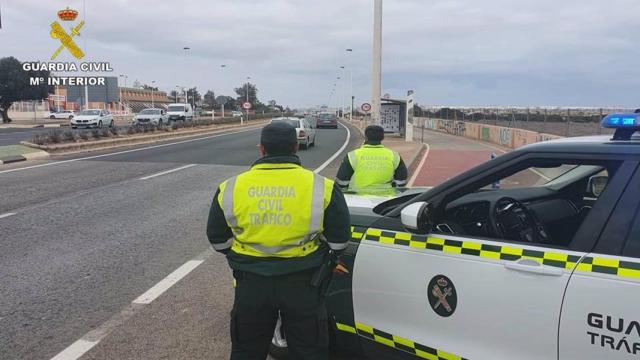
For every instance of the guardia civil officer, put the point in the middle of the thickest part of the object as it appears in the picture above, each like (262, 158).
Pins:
(372, 166)
(276, 223)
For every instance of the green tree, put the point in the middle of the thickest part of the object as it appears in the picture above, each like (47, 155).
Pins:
(242, 94)
(194, 95)
(15, 86)
(210, 99)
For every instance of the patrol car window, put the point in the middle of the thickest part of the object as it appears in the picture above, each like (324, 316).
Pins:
(543, 204)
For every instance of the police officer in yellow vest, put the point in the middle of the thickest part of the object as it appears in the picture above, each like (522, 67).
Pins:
(372, 166)
(276, 223)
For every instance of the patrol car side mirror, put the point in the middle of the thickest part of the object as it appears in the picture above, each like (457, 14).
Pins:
(597, 185)
(417, 216)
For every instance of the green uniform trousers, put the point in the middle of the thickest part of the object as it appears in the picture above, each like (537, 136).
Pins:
(259, 300)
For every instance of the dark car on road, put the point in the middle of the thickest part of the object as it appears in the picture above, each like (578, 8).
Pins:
(327, 121)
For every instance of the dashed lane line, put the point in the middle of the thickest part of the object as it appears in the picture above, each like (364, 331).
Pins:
(6, 215)
(167, 172)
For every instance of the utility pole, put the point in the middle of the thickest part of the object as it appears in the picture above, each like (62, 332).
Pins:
(376, 71)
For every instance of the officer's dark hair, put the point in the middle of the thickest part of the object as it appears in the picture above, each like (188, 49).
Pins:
(279, 138)
(374, 133)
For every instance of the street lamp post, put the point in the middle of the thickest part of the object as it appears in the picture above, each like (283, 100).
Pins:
(350, 51)
(241, 119)
(376, 71)
(340, 102)
(153, 105)
(125, 87)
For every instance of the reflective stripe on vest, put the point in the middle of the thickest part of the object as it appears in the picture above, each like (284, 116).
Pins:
(373, 167)
(276, 210)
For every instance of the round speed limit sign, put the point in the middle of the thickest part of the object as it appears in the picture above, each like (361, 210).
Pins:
(246, 105)
(366, 107)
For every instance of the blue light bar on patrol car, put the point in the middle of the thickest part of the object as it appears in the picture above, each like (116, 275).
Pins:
(616, 121)
(625, 124)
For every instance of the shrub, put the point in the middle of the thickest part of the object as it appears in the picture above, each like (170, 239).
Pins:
(114, 131)
(39, 139)
(84, 135)
(69, 136)
(95, 133)
(55, 136)
(131, 130)
(104, 132)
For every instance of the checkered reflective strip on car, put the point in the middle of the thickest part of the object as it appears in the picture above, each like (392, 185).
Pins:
(590, 264)
(610, 266)
(357, 232)
(397, 342)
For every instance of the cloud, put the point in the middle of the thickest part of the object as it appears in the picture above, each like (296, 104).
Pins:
(448, 51)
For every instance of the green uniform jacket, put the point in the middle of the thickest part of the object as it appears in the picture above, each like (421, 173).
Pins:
(337, 229)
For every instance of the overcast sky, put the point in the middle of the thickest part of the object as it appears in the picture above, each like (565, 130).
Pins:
(455, 52)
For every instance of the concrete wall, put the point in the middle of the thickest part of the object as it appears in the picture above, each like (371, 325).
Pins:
(503, 136)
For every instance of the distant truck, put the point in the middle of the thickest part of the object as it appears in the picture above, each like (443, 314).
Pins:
(180, 112)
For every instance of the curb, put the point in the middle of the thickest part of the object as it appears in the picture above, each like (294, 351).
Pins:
(71, 148)
(37, 155)
(12, 159)
(413, 163)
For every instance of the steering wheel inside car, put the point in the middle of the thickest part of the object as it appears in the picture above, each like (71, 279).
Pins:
(511, 220)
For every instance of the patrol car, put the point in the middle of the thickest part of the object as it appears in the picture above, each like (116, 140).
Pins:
(532, 255)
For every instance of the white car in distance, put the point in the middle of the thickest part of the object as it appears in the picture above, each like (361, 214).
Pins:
(92, 118)
(151, 116)
(62, 114)
(306, 131)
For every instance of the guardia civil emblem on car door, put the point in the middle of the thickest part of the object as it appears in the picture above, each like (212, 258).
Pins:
(442, 295)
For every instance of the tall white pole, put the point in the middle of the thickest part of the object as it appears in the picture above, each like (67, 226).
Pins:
(86, 88)
(376, 71)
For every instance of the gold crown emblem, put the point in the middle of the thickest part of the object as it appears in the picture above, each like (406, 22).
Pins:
(442, 282)
(67, 14)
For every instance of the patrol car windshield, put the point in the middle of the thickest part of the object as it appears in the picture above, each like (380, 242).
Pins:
(150, 112)
(176, 108)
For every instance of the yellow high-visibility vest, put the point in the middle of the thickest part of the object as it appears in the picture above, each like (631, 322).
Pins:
(275, 210)
(373, 167)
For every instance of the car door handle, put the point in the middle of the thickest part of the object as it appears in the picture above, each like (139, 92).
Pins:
(534, 267)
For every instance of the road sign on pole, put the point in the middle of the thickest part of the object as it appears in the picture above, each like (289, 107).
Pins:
(366, 107)
(246, 105)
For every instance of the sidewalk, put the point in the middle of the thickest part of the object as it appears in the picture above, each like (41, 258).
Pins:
(447, 156)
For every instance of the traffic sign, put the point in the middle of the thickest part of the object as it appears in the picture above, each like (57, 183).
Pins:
(366, 107)
(246, 105)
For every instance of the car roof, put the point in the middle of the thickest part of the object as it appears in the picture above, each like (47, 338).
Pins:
(586, 144)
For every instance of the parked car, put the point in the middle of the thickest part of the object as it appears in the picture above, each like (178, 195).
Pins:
(92, 118)
(236, 114)
(62, 114)
(180, 112)
(151, 116)
(306, 131)
(540, 267)
(327, 120)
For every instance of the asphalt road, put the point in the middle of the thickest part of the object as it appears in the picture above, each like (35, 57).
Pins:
(82, 237)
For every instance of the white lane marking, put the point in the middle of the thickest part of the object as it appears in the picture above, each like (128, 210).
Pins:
(168, 172)
(6, 215)
(75, 350)
(167, 282)
(420, 165)
(93, 337)
(334, 156)
(132, 150)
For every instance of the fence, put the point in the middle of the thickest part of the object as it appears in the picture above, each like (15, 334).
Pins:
(558, 121)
